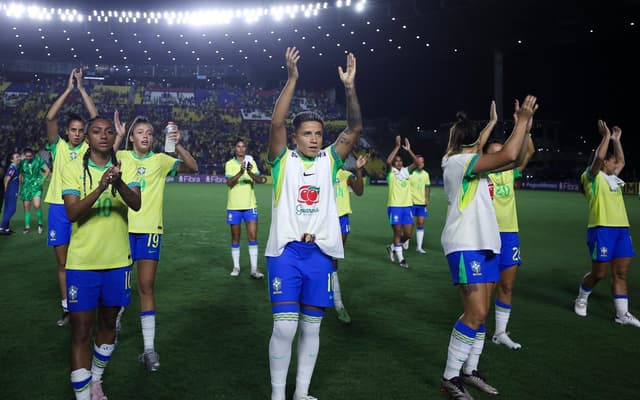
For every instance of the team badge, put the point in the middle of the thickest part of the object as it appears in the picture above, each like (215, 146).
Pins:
(73, 293)
(476, 268)
(73, 155)
(276, 284)
(141, 170)
(603, 251)
(52, 234)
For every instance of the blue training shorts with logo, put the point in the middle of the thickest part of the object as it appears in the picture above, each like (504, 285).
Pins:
(59, 226)
(509, 250)
(606, 243)
(302, 273)
(419, 210)
(345, 228)
(88, 289)
(400, 215)
(473, 266)
(145, 246)
(235, 217)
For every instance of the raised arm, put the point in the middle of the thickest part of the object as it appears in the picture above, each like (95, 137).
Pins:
(358, 184)
(121, 130)
(349, 137)
(528, 150)
(616, 133)
(513, 145)
(51, 118)
(407, 147)
(486, 132)
(278, 132)
(394, 152)
(86, 99)
(601, 151)
(188, 163)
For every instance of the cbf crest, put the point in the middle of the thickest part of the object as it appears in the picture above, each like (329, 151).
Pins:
(73, 293)
(276, 285)
(73, 155)
(476, 268)
(141, 170)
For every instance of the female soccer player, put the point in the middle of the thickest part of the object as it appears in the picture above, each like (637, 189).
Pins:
(305, 233)
(62, 153)
(345, 182)
(11, 184)
(502, 190)
(420, 195)
(399, 201)
(146, 226)
(242, 173)
(34, 171)
(608, 236)
(471, 241)
(97, 191)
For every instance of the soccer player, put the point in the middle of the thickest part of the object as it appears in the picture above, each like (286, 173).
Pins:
(34, 171)
(145, 225)
(62, 153)
(399, 204)
(346, 181)
(11, 185)
(305, 232)
(242, 173)
(420, 195)
(502, 190)
(608, 236)
(97, 191)
(471, 241)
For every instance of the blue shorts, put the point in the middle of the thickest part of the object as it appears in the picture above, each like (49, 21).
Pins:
(475, 266)
(302, 273)
(235, 217)
(59, 226)
(345, 228)
(88, 289)
(419, 210)
(509, 251)
(400, 215)
(145, 246)
(606, 243)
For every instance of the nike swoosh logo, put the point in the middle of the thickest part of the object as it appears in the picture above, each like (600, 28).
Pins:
(305, 174)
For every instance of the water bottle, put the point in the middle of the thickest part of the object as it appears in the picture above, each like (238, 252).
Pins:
(169, 144)
(247, 161)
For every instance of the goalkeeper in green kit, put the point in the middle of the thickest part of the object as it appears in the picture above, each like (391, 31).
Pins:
(33, 171)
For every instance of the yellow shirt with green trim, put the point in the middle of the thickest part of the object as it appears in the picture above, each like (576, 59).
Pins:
(99, 239)
(62, 154)
(419, 179)
(343, 198)
(399, 190)
(606, 206)
(150, 171)
(241, 196)
(504, 199)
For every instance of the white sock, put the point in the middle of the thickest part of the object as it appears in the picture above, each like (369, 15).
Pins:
(81, 382)
(235, 255)
(397, 248)
(476, 350)
(337, 294)
(503, 312)
(253, 256)
(148, 322)
(63, 303)
(285, 326)
(101, 357)
(308, 345)
(462, 339)
(584, 292)
(419, 238)
(621, 303)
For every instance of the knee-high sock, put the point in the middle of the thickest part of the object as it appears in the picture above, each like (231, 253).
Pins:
(503, 312)
(419, 236)
(308, 345)
(476, 350)
(253, 255)
(148, 322)
(285, 325)
(81, 383)
(462, 338)
(621, 302)
(101, 356)
(27, 219)
(337, 293)
(235, 255)
(39, 215)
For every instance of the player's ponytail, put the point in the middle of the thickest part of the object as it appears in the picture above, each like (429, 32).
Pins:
(85, 171)
(114, 161)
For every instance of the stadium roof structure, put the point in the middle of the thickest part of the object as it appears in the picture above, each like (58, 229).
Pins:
(411, 50)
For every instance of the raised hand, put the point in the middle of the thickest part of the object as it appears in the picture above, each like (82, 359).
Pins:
(362, 160)
(77, 73)
(493, 114)
(348, 77)
(292, 55)
(406, 146)
(175, 135)
(119, 126)
(616, 133)
(70, 83)
(527, 109)
(604, 129)
(398, 141)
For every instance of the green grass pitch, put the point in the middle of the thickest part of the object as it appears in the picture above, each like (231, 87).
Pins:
(213, 330)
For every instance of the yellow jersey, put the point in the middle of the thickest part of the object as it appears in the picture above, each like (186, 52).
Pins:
(418, 180)
(62, 154)
(606, 206)
(241, 196)
(341, 186)
(399, 190)
(504, 198)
